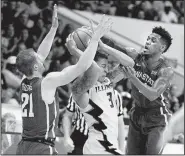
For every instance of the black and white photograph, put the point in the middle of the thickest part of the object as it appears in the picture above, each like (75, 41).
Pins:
(85, 77)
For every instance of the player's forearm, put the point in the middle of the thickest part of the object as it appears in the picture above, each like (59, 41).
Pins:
(121, 135)
(46, 44)
(147, 91)
(67, 126)
(87, 57)
(124, 59)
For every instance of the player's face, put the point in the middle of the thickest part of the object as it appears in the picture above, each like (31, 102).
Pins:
(103, 64)
(111, 63)
(153, 44)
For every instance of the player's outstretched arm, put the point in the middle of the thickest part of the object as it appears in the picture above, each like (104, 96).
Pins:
(119, 56)
(83, 83)
(125, 59)
(55, 79)
(46, 44)
(159, 86)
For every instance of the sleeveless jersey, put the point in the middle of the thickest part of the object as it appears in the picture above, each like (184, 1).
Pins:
(39, 119)
(147, 77)
(102, 118)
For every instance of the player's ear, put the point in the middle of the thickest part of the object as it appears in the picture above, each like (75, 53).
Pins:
(35, 67)
(163, 47)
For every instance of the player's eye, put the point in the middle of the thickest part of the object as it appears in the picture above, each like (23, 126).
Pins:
(153, 40)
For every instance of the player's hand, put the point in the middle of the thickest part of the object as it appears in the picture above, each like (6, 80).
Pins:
(55, 17)
(103, 28)
(91, 30)
(70, 44)
(68, 144)
(130, 72)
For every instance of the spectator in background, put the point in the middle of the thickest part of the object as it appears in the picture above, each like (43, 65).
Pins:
(11, 80)
(174, 102)
(8, 13)
(46, 13)
(20, 7)
(26, 38)
(38, 32)
(137, 7)
(8, 122)
(141, 15)
(181, 19)
(33, 9)
(20, 47)
(168, 16)
(23, 22)
(151, 13)
(8, 125)
(123, 8)
(9, 41)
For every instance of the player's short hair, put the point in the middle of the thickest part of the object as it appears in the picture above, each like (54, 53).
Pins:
(165, 36)
(100, 56)
(108, 41)
(25, 61)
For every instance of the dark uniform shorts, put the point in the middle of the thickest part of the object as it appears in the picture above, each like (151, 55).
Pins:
(146, 130)
(35, 147)
(79, 140)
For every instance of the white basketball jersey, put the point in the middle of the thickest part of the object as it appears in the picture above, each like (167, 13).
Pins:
(102, 118)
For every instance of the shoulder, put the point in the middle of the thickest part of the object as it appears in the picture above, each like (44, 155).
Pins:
(166, 72)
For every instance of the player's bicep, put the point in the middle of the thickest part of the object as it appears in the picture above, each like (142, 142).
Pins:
(82, 84)
(55, 79)
(164, 80)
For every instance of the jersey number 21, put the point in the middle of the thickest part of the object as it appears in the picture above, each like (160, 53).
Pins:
(27, 100)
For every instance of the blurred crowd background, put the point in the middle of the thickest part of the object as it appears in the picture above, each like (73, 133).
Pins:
(25, 24)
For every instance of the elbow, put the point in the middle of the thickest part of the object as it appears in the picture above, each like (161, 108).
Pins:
(81, 68)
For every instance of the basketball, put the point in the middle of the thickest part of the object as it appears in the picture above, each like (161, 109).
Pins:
(82, 38)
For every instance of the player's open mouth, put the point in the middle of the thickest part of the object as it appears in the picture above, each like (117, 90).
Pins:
(146, 47)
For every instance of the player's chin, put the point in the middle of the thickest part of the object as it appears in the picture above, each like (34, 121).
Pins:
(146, 52)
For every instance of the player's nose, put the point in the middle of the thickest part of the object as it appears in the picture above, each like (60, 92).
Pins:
(106, 70)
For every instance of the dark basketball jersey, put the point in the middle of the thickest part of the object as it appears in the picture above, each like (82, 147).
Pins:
(39, 119)
(147, 77)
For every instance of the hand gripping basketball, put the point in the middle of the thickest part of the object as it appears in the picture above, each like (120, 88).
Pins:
(70, 43)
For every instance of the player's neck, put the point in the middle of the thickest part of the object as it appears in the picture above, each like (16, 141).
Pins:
(153, 60)
(34, 75)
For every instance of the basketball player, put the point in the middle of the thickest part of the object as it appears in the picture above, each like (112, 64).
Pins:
(74, 122)
(39, 109)
(76, 141)
(150, 78)
(96, 101)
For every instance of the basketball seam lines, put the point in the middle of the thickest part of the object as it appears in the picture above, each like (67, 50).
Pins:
(80, 40)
